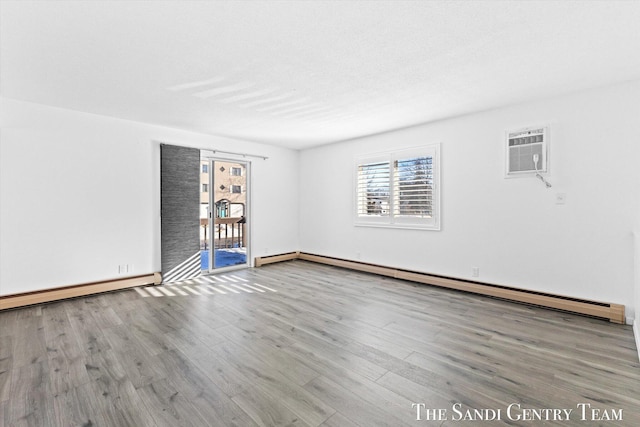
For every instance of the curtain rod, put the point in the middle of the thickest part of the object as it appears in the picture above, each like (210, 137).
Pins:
(235, 154)
(219, 151)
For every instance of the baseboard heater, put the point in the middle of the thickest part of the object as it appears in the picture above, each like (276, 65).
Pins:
(611, 312)
(49, 295)
(270, 259)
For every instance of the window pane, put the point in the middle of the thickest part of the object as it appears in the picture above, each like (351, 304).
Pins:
(373, 189)
(413, 187)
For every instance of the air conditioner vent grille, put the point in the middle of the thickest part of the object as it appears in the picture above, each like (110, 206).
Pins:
(522, 147)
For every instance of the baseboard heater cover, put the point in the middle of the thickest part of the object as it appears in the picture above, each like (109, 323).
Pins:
(49, 295)
(612, 312)
(270, 259)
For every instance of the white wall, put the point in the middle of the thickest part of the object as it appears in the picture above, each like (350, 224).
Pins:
(79, 195)
(510, 228)
(636, 320)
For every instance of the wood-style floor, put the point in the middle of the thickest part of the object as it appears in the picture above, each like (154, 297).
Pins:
(310, 345)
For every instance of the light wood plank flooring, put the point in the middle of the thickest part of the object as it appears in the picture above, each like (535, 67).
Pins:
(310, 345)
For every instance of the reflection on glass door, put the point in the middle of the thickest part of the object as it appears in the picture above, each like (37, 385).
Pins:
(224, 214)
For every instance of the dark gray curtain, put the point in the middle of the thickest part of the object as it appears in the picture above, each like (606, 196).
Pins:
(180, 204)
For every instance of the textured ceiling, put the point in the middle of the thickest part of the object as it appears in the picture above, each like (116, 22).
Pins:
(303, 73)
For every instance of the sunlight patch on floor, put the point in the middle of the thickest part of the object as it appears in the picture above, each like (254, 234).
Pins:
(204, 286)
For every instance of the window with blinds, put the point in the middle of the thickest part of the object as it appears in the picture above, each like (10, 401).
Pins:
(374, 189)
(413, 187)
(399, 189)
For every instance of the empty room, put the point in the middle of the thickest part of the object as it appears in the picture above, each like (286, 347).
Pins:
(319, 213)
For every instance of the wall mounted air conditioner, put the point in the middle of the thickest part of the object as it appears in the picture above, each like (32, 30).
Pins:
(527, 151)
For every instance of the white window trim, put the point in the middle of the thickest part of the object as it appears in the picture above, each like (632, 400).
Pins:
(390, 221)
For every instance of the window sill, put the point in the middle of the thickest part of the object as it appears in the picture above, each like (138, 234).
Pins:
(425, 227)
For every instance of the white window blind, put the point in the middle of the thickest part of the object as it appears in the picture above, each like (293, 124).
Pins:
(399, 189)
(413, 187)
(373, 189)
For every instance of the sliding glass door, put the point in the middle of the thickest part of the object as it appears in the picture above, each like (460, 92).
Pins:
(224, 209)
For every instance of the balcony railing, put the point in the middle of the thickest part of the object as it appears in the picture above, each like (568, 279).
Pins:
(227, 233)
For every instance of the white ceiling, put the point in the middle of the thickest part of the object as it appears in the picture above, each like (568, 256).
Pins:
(304, 73)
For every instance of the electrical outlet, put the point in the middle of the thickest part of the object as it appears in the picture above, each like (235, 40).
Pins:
(475, 271)
(561, 198)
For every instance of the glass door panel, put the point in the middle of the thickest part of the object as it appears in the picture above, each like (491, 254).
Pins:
(228, 199)
(205, 226)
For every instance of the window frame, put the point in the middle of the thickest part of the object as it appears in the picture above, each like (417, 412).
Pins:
(391, 220)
